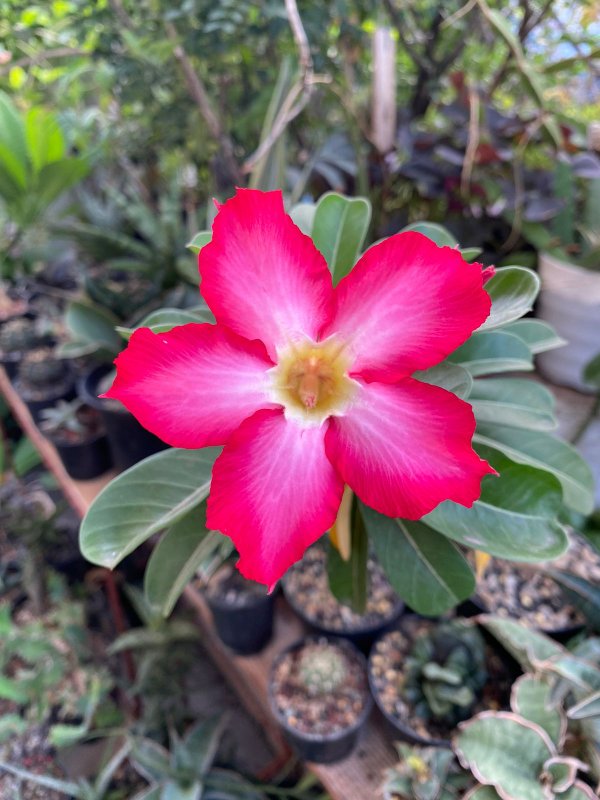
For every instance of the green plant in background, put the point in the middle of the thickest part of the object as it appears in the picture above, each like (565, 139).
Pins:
(445, 672)
(558, 694)
(515, 418)
(35, 170)
(425, 773)
(63, 416)
(321, 669)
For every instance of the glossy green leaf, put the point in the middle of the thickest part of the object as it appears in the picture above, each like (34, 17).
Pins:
(513, 401)
(449, 376)
(531, 699)
(339, 229)
(426, 570)
(175, 559)
(164, 319)
(537, 335)
(93, 325)
(145, 499)
(514, 518)
(14, 174)
(525, 645)
(198, 242)
(303, 215)
(348, 580)
(57, 177)
(513, 291)
(45, 142)
(491, 352)
(470, 253)
(12, 130)
(548, 453)
(437, 233)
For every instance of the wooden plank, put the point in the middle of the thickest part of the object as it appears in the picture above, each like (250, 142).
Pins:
(78, 493)
(357, 777)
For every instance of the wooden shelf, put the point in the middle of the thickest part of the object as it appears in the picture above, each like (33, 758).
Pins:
(357, 777)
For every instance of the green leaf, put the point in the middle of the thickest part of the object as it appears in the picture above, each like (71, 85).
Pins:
(145, 499)
(25, 457)
(525, 645)
(201, 744)
(545, 452)
(537, 335)
(57, 177)
(591, 372)
(12, 690)
(348, 580)
(426, 570)
(491, 352)
(72, 790)
(513, 401)
(513, 291)
(148, 638)
(583, 594)
(197, 243)
(505, 751)
(14, 174)
(482, 793)
(92, 324)
(437, 233)
(303, 215)
(173, 790)
(531, 699)
(12, 131)
(588, 708)
(579, 791)
(11, 725)
(164, 319)
(449, 376)
(514, 518)
(45, 142)
(470, 253)
(176, 558)
(339, 229)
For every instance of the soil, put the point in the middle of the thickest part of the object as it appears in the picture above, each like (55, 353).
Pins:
(386, 666)
(232, 589)
(307, 588)
(321, 715)
(524, 592)
(31, 752)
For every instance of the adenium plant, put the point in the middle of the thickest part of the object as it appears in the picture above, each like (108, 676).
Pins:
(328, 373)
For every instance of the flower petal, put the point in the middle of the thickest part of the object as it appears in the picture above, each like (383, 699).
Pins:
(406, 305)
(193, 385)
(274, 492)
(406, 447)
(261, 276)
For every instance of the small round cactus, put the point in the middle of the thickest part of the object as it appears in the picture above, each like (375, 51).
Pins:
(322, 668)
(18, 336)
(41, 368)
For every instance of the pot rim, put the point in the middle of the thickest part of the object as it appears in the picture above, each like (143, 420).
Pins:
(335, 736)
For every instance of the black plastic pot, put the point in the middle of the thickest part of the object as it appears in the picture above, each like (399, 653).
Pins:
(65, 392)
(362, 637)
(129, 442)
(319, 748)
(87, 459)
(247, 628)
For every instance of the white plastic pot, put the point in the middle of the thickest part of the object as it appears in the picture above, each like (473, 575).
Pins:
(569, 301)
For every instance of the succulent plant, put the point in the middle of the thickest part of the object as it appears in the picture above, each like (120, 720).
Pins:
(445, 672)
(425, 773)
(41, 368)
(18, 336)
(322, 668)
(63, 416)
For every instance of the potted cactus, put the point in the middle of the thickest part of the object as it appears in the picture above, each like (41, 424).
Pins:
(569, 266)
(319, 694)
(18, 337)
(242, 611)
(77, 432)
(43, 379)
(427, 677)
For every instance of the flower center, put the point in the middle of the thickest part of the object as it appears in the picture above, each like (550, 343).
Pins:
(311, 380)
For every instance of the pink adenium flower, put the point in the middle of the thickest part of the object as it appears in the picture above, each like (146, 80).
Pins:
(308, 386)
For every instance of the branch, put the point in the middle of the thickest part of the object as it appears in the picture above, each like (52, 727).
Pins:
(298, 95)
(473, 141)
(46, 55)
(419, 60)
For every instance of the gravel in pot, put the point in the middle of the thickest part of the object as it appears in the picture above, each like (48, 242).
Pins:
(320, 696)
(307, 590)
(18, 337)
(525, 592)
(242, 611)
(428, 675)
